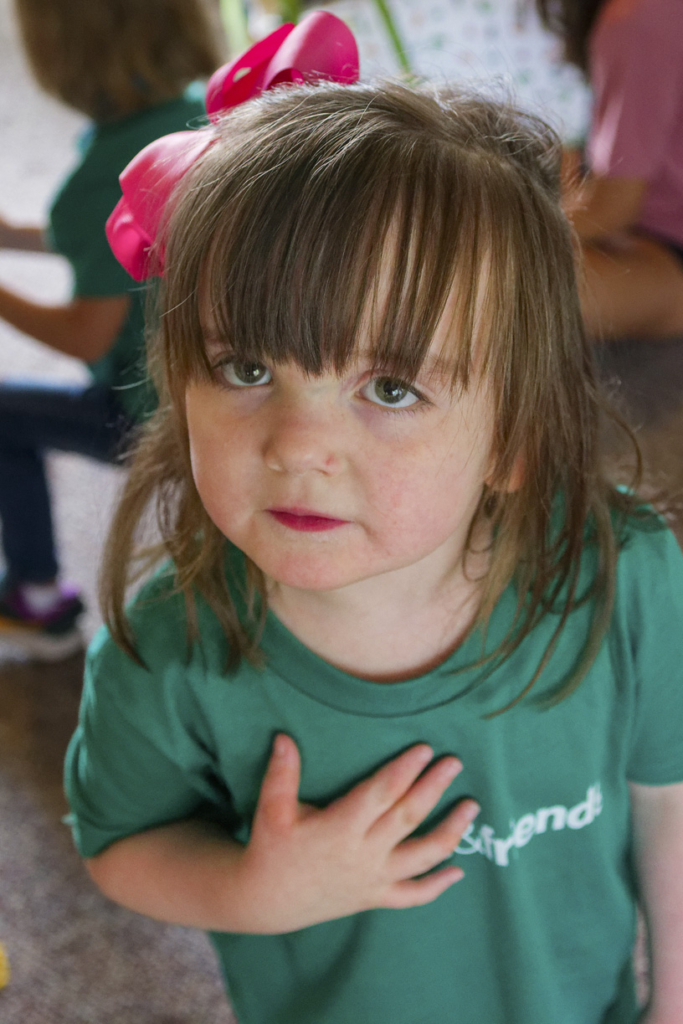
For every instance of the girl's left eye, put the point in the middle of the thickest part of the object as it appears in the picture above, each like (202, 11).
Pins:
(244, 374)
(386, 391)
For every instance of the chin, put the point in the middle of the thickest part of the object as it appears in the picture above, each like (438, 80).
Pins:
(307, 573)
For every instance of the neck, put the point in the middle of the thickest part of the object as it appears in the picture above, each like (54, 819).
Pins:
(390, 627)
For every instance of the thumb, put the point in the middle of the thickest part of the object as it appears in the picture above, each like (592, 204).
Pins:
(278, 801)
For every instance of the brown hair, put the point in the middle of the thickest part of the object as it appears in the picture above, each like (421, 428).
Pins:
(289, 222)
(109, 58)
(572, 21)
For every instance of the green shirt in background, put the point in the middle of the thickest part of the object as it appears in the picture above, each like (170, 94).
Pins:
(76, 231)
(540, 930)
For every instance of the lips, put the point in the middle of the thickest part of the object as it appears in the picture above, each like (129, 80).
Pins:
(305, 520)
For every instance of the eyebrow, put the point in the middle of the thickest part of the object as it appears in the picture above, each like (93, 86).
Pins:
(212, 340)
(437, 366)
(433, 366)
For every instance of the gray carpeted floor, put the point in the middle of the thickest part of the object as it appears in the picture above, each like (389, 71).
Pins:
(75, 957)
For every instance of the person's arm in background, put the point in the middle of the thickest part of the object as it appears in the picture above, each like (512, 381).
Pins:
(85, 328)
(598, 207)
(27, 238)
(658, 835)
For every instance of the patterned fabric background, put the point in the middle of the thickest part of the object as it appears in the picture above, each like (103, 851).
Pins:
(495, 44)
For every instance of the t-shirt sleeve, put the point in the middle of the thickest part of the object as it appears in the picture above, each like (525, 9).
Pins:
(653, 588)
(636, 70)
(142, 754)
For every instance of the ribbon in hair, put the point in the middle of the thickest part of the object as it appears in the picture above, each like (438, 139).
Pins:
(320, 47)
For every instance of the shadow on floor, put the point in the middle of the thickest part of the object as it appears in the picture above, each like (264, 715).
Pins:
(646, 377)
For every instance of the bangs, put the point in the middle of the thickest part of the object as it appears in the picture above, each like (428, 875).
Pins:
(328, 243)
(329, 269)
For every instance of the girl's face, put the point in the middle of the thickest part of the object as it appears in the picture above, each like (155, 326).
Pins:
(329, 480)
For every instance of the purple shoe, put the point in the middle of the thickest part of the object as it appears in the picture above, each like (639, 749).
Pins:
(45, 637)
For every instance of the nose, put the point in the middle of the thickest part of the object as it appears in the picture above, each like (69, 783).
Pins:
(304, 438)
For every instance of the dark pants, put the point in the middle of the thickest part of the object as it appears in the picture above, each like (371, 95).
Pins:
(35, 418)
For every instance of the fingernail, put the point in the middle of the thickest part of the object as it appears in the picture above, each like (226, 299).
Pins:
(280, 746)
(424, 753)
(472, 811)
(451, 768)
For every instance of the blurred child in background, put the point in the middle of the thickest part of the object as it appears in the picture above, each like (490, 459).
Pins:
(132, 68)
(629, 211)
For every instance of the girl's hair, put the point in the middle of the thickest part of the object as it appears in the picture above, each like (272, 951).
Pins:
(109, 58)
(327, 217)
(572, 21)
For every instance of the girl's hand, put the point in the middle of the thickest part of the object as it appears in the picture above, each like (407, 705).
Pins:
(304, 865)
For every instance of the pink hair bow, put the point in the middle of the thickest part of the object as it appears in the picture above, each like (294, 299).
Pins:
(321, 46)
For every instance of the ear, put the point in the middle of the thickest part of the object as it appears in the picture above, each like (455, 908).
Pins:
(514, 480)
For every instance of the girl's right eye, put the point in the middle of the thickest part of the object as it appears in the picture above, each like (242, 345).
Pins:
(243, 374)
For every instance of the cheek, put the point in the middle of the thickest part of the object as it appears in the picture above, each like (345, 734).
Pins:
(213, 457)
(208, 476)
(426, 498)
(204, 456)
(221, 489)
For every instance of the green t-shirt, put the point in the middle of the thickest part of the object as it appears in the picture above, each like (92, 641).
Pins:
(76, 231)
(541, 928)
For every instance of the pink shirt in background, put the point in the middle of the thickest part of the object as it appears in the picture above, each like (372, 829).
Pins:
(636, 72)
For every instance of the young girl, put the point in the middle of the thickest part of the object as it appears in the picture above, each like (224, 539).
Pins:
(629, 211)
(396, 561)
(128, 66)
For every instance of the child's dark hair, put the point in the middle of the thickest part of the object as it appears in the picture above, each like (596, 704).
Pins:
(325, 217)
(109, 58)
(572, 21)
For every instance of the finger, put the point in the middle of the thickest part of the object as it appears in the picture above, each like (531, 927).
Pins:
(279, 797)
(372, 797)
(410, 811)
(417, 891)
(415, 856)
